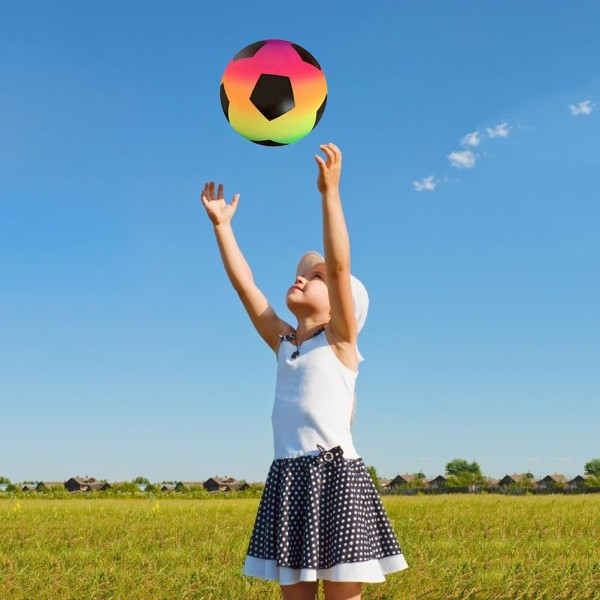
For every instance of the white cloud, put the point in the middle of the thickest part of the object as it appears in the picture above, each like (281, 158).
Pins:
(471, 139)
(583, 108)
(498, 131)
(426, 184)
(462, 160)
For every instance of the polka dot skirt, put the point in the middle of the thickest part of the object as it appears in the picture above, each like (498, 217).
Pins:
(320, 511)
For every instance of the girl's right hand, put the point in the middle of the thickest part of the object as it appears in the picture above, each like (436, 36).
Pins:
(216, 208)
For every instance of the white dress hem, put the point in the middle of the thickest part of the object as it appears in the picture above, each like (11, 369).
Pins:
(368, 571)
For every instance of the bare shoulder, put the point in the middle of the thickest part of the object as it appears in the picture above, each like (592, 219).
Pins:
(346, 352)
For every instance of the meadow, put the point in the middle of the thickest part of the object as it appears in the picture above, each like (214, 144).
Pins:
(458, 547)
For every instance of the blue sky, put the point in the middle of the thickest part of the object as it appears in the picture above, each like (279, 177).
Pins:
(123, 349)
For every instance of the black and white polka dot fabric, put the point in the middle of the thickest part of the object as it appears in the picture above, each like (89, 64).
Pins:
(320, 517)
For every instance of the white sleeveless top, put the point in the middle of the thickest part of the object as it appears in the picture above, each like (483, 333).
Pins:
(314, 397)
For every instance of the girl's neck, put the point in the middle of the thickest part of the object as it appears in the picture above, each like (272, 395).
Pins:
(307, 327)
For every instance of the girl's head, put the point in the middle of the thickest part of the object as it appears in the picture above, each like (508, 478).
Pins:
(309, 293)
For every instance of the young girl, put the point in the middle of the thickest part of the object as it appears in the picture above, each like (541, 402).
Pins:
(320, 516)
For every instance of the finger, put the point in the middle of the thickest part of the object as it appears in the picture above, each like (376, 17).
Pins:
(220, 192)
(327, 151)
(335, 150)
(204, 198)
(320, 162)
(212, 190)
(337, 155)
(235, 201)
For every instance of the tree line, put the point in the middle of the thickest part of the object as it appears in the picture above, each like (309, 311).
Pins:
(462, 473)
(459, 472)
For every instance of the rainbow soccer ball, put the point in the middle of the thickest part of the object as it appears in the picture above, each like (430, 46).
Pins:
(273, 92)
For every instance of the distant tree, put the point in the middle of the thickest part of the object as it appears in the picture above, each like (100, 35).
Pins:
(4, 480)
(529, 475)
(462, 473)
(592, 481)
(375, 477)
(593, 467)
(126, 487)
(420, 475)
(141, 480)
(458, 466)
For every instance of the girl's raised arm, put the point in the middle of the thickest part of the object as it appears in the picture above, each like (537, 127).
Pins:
(336, 243)
(261, 313)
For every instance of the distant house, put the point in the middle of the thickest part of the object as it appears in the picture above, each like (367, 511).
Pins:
(576, 482)
(47, 485)
(490, 482)
(405, 479)
(513, 479)
(83, 484)
(550, 480)
(29, 487)
(438, 482)
(167, 487)
(187, 485)
(224, 484)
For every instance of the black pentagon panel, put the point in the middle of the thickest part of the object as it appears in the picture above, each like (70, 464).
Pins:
(320, 112)
(268, 143)
(273, 96)
(224, 101)
(249, 51)
(306, 56)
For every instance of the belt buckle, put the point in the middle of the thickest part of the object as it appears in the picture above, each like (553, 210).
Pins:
(326, 455)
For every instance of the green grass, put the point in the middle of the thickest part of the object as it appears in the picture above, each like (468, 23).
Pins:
(458, 547)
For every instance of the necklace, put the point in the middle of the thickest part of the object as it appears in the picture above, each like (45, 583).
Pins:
(292, 336)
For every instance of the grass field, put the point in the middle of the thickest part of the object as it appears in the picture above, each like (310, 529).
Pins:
(458, 547)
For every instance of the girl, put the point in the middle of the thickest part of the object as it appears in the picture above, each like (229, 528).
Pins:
(320, 516)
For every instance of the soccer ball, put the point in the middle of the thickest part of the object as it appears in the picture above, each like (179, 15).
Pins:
(273, 92)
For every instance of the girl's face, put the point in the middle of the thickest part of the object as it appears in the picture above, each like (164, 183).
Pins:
(310, 291)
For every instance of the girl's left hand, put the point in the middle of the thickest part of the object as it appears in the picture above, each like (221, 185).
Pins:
(329, 172)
